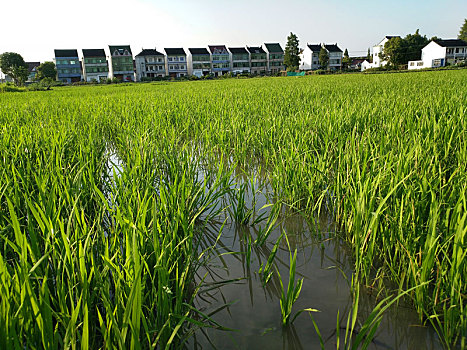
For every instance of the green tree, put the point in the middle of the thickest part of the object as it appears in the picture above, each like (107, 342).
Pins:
(414, 43)
(369, 58)
(346, 61)
(292, 53)
(463, 31)
(398, 51)
(12, 64)
(394, 52)
(46, 70)
(323, 58)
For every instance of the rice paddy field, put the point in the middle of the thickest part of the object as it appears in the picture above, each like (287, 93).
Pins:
(324, 211)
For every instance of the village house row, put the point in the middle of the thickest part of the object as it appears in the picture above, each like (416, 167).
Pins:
(96, 65)
(216, 60)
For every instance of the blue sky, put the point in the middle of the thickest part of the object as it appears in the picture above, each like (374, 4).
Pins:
(355, 25)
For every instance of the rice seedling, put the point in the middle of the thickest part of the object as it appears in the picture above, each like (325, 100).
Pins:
(290, 295)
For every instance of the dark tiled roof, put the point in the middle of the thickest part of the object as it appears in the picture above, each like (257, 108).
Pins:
(254, 49)
(175, 51)
(93, 53)
(149, 52)
(274, 48)
(218, 49)
(358, 60)
(451, 43)
(332, 48)
(199, 51)
(32, 66)
(120, 48)
(66, 53)
(238, 50)
(314, 48)
(392, 36)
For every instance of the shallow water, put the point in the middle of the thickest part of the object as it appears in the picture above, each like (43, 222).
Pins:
(324, 263)
(252, 310)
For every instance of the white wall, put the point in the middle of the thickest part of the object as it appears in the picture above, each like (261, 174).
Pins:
(305, 59)
(431, 52)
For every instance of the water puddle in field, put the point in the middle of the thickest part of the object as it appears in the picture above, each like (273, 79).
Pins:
(325, 265)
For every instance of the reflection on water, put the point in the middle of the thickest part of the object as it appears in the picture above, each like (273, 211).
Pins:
(254, 310)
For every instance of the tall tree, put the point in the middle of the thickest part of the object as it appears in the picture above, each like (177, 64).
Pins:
(368, 56)
(323, 58)
(346, 60)
(394, 52)
(463, 31)
(292, 53)
(47, 70)
(398, 51)
(12, 64)
(414, 43)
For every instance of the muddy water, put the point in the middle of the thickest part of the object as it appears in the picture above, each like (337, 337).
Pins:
(323, 262)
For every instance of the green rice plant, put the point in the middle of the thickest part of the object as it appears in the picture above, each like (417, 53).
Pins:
(362, 338)
(290, 295)
(239, 210)
(266, 270)
(270, 225)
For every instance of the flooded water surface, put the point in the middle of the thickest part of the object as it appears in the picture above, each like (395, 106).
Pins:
(323, 261)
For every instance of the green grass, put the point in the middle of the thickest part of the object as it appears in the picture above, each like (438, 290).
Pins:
(93, 257)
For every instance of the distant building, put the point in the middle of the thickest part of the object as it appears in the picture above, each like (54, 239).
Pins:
(32, 70)
(258, 60)
(335, 56)
(220, 60)
(440, 53)
(68, 66)
(150, 63)
(275, 56)
(378, 49)
(356, 62)
(240, 60)
(95, 66)
(176, 65)
(121, 63)
(310, 57)
(199, 62)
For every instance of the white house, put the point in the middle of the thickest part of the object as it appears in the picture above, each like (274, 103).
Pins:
(377, 49)
(439, 53)
(150, 63)
(309, 58)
